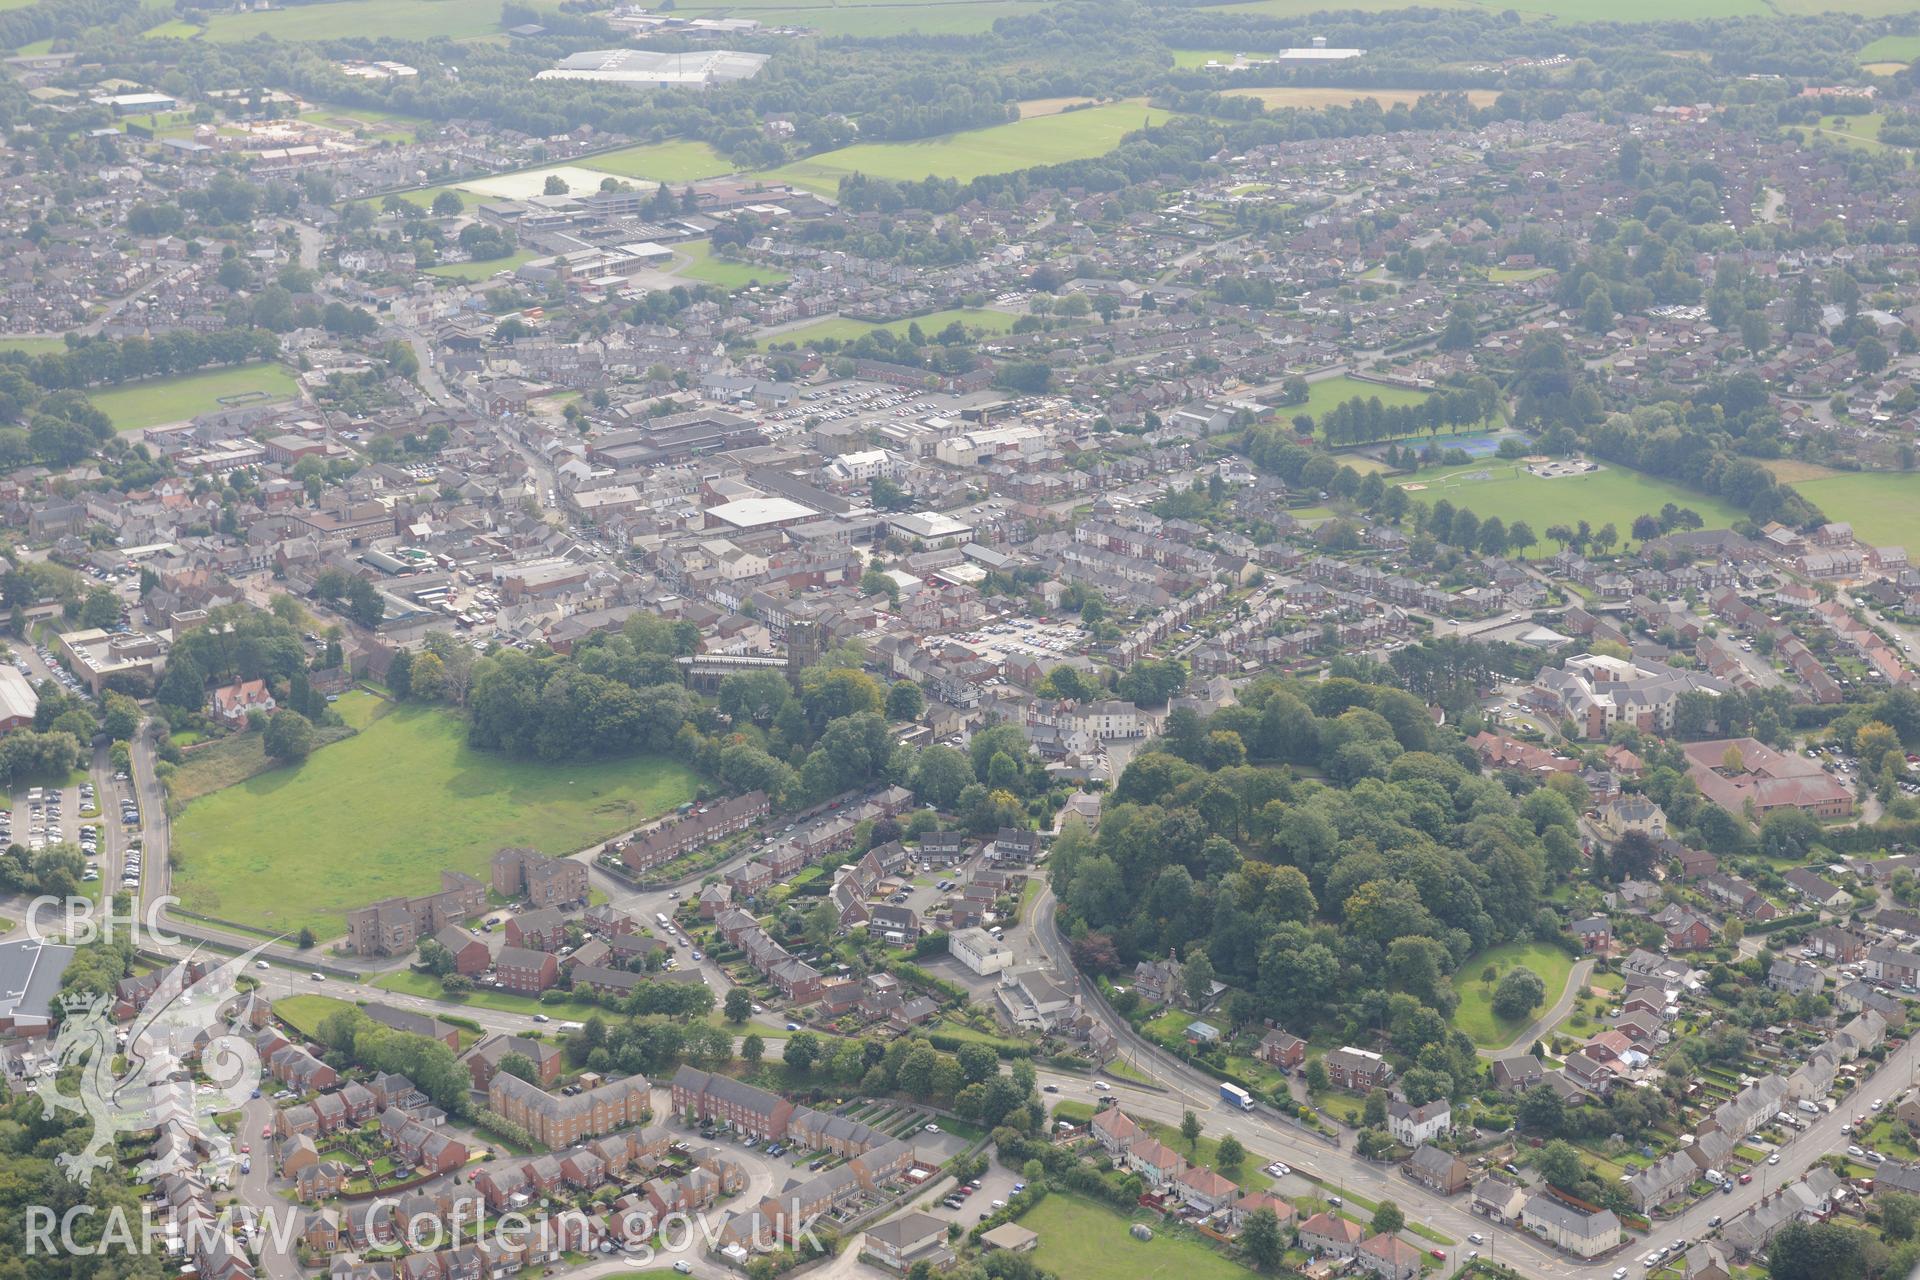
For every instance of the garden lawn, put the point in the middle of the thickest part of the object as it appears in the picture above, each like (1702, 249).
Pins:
(133, 405)
(1475, 1015)
(662, 162)
(1882, 506)
(1251, 1175)
(383, 812)
(366, 19)
(1081, 1239)
(1612, 494)
(1002, 148)
(473, 272)
(846, 330)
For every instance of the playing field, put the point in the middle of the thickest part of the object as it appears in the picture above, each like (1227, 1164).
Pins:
(1475, 1015)
(527, 183)
(1082, 1240)
(1308, 98)
(382, 812)
(471, 272)
(1323, 395)
(33, 346)
(1854, 131)
(1004, 148)
(700, 264)
(662, 162)
(134, 405)
(846, 330)
(1612, 495)
(367, 19)
(1882, 506)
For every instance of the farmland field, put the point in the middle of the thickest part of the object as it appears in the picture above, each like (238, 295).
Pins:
(1882, 506)
(274, 852)
(133, 405)
(1900, 49)
(1022, 144)
(1475, 1015)
(1083, 1240)
(1311, 99)
(1611, 495)
(369, 19)
(846, 330)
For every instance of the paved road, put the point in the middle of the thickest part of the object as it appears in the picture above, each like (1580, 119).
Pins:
(1195, 1090)
(1576, 983)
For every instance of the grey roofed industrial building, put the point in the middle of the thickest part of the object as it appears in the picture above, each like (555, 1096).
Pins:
(646, 67)
(30, 973)
(18, 701)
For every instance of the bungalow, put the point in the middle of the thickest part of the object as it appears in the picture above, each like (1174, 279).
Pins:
(1817, 890)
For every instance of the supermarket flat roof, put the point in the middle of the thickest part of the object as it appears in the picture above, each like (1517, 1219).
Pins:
(756, 513)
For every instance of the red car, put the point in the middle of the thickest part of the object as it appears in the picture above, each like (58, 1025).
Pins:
(1745, 1178)
(1439, 1253)
(266, 1130)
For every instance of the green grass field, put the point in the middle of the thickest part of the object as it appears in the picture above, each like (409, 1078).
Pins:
(1882, 506)
(1190, 58)
(305, 1013)
(1611, 495)
(407, 982)
(702, 266)
(475, 271)
(134, 405)
(1892, 49)
(1084, 1240)
(1022, 144)
(1324, 395)
(662, 162)
(33, 346)
(1475, 1015)
(369, 19)
(382, 812)
(846, 330)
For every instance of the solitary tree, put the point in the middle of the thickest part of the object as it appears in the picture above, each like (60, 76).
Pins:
(1190, 1130)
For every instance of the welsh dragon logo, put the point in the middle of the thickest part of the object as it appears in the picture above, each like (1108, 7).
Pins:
(155, 1087)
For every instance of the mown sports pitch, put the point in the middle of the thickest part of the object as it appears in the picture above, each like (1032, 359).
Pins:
(133, 405)
(1612, 495)
(1003, 148)
(1882, 506)
(382, 812)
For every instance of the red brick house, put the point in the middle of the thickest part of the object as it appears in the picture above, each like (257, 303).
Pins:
(526, 972)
